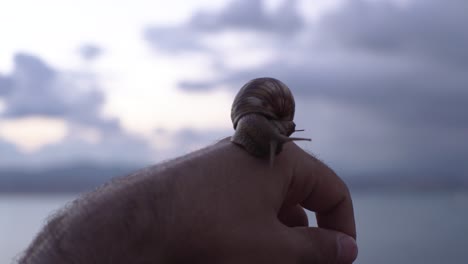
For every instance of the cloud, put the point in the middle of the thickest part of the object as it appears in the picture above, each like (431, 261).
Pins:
(5, 85)
(112, 147)
(249, 15)
(175, 143)
(420, 94)
(174, 39)
(199, 138)
(239, 15)
(378, 55)
(427, 29)
(90, 52)
(35, 89)
(8, 153)
(403, 67)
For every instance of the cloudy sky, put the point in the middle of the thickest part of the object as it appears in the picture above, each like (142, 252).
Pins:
(381, 86)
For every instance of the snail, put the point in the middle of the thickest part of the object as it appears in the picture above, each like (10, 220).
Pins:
(262, 115)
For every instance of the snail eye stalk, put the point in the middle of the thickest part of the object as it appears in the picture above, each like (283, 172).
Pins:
(262, 114)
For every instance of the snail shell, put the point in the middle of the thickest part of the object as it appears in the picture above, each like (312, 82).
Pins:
(262, 114)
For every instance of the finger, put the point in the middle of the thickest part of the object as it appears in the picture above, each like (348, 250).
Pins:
(318, 245)
(293, 216)
(317, 188)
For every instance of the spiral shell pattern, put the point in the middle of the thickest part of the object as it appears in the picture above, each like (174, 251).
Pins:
(262, 115)
(268, 97)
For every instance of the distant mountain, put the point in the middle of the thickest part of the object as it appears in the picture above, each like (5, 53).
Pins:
(66, 178)
(84, 176)
(406, 180)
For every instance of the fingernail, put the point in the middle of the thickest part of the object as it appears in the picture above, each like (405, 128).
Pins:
(347, 249)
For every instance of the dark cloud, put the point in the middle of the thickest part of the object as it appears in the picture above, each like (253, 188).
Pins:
(403, 67)
(188, 85)
(249, 15)
(35, 88)
(431, 29)
(113, 147)
(29, 88)
(5, 85)
(240, 14)
(174, 39)
(188, 136)
(90, 52)
(418, 96)
(380, 63)
(8, 153)
(187, 140)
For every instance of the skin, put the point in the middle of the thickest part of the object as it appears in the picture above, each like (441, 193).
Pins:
(216, 205)
(262, 137)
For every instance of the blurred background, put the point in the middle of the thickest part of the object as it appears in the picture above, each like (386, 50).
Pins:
(91, 90)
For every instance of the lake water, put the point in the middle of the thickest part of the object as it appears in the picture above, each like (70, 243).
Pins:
(416, 228)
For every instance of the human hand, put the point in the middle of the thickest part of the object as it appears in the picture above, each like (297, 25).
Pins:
(216, 205)
(225, 206)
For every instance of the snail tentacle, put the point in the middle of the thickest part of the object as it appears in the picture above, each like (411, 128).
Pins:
(262, 115)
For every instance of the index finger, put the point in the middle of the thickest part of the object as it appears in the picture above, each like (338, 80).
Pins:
(317, 187)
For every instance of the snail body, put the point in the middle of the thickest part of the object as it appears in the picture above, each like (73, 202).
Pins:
(262, 115)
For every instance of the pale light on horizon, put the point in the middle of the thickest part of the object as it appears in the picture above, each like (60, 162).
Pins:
(30, 134)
